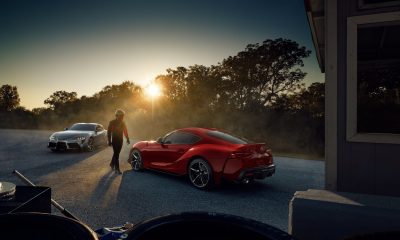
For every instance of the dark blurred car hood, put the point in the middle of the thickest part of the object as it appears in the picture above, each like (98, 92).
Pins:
(70, 134)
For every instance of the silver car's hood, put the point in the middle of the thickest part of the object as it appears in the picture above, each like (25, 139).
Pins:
(63, 135)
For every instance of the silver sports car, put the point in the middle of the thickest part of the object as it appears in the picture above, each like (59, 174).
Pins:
(80, 136)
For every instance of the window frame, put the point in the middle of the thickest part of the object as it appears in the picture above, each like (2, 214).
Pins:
(362, 5)
(351, 103)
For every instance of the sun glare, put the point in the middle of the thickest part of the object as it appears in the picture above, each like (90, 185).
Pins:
(153, 90)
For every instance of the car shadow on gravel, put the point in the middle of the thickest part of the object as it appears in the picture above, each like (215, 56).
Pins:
(257, 185)
(151, 177)
(170, 180)
(147, 194)
(57, 161)
(77, 151)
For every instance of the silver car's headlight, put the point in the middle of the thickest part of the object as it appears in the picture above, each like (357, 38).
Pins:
(52, 138)
(81, 138)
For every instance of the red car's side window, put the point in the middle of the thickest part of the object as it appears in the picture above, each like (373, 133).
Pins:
(181, 138)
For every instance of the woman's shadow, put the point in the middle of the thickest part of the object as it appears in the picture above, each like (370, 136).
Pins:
(102, 187)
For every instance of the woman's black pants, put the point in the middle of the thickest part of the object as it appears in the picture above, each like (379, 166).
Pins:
(117, 145)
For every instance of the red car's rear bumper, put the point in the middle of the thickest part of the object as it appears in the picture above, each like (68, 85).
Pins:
(254, 166)
(256, 173)
(240, 170)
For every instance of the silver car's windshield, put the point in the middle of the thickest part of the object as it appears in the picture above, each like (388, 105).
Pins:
(82, 127)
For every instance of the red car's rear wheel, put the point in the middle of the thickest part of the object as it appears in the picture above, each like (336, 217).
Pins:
(200, 174)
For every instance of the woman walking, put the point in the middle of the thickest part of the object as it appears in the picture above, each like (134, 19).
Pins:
(116, 131)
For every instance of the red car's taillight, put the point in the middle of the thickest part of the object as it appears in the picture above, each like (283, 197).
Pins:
(269, 151)
(239, 155)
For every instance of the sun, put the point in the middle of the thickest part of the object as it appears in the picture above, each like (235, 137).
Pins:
(153, 90)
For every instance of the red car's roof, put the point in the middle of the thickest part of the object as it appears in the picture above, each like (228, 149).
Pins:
(202, 132)
(196, 130)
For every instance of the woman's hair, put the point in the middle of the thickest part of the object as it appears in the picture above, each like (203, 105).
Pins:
(119, 112)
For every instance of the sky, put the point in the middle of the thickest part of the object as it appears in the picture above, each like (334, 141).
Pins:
(82, 46)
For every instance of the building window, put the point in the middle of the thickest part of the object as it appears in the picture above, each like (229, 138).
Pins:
(367, 4)
(373, 78)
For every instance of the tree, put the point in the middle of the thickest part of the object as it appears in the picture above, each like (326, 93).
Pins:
(261, 73)
(9, 97)
(313, 99)
(195, 85)
(310, 100)
(39, 110)
(175, 83)
(125, 94)
(117, 93)
(59, 98)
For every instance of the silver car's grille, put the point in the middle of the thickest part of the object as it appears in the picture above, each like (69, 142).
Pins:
(62, 138)
(73, 145)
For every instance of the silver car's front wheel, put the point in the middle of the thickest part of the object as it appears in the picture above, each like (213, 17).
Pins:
(136, 162)
(200, 174)
(90, 145)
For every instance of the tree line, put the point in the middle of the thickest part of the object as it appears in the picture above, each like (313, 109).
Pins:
(259, 93)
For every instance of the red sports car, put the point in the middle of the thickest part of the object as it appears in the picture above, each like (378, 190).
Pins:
(206, 155)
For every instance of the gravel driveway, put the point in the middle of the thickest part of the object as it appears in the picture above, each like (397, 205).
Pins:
(83, 183)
